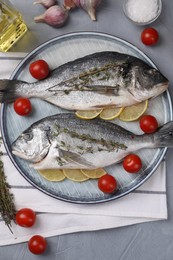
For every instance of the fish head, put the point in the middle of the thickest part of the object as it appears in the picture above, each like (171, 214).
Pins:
(148, 83)
(32, 145)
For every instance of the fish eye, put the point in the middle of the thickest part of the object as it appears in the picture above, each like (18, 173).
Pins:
(28, 136)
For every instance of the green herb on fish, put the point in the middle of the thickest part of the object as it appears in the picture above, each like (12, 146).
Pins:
(67, 91)
(110, 145)
(60, 161)
(86, 77)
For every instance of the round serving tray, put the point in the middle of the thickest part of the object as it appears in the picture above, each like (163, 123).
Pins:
(59, 51)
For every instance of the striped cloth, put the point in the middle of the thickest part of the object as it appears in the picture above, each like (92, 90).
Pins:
(54, 217)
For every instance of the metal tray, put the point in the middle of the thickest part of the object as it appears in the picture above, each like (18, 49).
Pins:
(56, 52)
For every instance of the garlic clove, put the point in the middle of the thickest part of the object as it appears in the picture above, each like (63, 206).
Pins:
(55, 16)
(45, 3)
(89, 6)
(92, 13)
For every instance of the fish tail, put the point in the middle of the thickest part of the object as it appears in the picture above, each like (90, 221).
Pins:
(164, 136)
(11, 89)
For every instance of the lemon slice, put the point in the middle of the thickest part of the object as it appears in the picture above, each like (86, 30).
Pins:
(132, 113)
(94, 174)
(75, 175)
(52, 174)
(88, 114)
(111, 113)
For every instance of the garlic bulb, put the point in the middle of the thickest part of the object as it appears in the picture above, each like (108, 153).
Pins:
(46, 3)
(89, 6)
(55, 16)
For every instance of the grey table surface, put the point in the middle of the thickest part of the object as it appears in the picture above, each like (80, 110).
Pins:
(149, 241)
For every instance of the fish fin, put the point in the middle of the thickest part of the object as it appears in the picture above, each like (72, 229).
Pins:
(57, 158)
(77, 159)
(108, 90)
(101, 89)
(92, 88)
(164, 136)
(8, 88)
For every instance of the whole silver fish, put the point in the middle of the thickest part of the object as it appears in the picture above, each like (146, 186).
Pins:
(64, 141)
(102, 79)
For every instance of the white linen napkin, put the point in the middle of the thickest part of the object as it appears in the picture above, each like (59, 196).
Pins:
(55, 217)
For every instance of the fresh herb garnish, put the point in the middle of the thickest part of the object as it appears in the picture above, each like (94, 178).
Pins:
(83, 81)
(7, 207)
(106, 145)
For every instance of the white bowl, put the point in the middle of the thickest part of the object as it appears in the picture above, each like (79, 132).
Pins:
(142, 21)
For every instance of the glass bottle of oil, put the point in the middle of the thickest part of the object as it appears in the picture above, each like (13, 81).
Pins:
(12, 26)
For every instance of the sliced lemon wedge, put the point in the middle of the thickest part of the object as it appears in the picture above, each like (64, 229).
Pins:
(94, 174)
(75, 175)
(88, 114)
(111, 113)
(132, 113)
(52, 174)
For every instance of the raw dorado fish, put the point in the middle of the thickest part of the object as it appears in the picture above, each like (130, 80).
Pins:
(64, 141)
(99, 80)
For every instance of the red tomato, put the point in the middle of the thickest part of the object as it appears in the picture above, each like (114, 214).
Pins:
(149, 36)
(107, 183)
(37, 244)
(25, 217)
(22, 106)
(132, 163)
(148, 124)
(39, 69)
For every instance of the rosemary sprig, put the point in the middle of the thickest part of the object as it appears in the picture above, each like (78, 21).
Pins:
(109, 145)
(80, 82)
(7, 207)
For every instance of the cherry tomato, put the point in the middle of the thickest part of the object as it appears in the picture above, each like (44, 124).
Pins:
(39, 69)
(22, 106)
(25, 217)
(148, 124)
(132, 163)
(107, 183)
(149, 36)
(37, 244)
